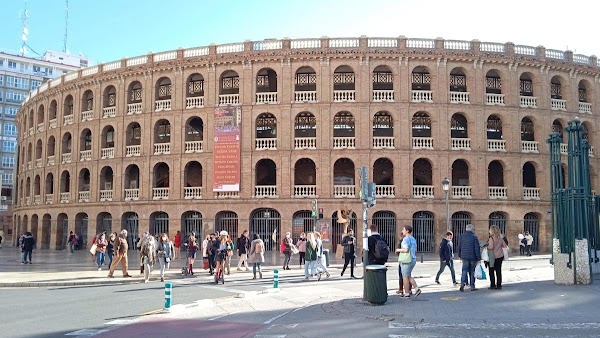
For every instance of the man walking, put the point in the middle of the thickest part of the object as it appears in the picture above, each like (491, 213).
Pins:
(28, 245)
(529, 239)
(349, 252)
(72, 240)
(446, 257)
(378, 248)
(120, 255)
(243, 245)
(470, 255)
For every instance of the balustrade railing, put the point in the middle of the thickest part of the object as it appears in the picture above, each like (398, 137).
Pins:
(383, 95)
(134, 108)
(52, 124)
(132, 194)
(496, 145)
(160, 193)
(557, 104)
(497, 193)
(31, 131)
(494, 99)
(422, 96)
(461, 192)
(344, 95)
(305, 143)
(194, 102)
(268, 191)
(66, 158)
(193, 147)
(266, 98)
(133, 151)
(383, 142)
(585, 108)
(84, 196)
(49, 198)
(161, 105)
(68, 119)
(65, 197)
(190, 193)
(226, 99)
(85, 155)
(460, 143)
(162, 148)
(109, 112)
(528, 101)
(266, 144)
(106, 195)
(531, 193)
(38, 162)
(422, 142)
(422, 191)
(385, 191)
(529, 147)
(305, 96)
(29, 165)
(108, 153)
(50, 160)
(301, 191)
(37, 200)
(459, 97)
(344, 191)
(228, 194)
(87, 115)
(344, 142)
(40, 127)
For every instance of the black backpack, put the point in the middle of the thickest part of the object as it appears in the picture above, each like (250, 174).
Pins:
(382, 251)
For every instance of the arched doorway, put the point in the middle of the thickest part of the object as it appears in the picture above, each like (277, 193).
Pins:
(267, 223)
(498, 219)
(104, 223)
(459, 222)
(191, 221)
(423, 223)
(386, 226)
(81, 229)
(159, 223)
(228, 221)
(62, 230)
(338, 230)
(130, 222)
(532, 225)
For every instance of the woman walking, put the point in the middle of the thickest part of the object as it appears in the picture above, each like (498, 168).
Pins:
(243, 247)
(409, 244)
(311, 256)
(101, 245)
(229, 253)
(495, 245)
(287, 251)
(110, 247)
(192, 248)
(148, 252)
(321, 264)
(166, 252)
(257, 255)
(301, 244)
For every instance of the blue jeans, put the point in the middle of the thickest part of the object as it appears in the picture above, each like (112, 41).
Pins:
(313, 268)
(255, 267)
(26, 254)
(71, 246)
(443, 265)
(110, 257)
(468, 266)
(100, 259)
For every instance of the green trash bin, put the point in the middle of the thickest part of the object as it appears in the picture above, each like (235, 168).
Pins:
(326, 253)
(376, 284)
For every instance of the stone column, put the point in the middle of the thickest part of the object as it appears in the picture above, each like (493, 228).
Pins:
(577, 271)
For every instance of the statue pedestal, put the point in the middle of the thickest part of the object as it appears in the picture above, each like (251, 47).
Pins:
(580, 274)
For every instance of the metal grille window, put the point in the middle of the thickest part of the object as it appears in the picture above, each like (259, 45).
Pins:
(556, 90)
(228, 221)
(131, 224)
(159, 223)
(192, 222)
(89, 104)
(494, 128)
(302, 221)
(343, 78)
(306, 79)
(458, 83)
(383, 125)
(383, 77)
(112, 100)
(262, 80)
(267, 224)
(423, 224)
(526, 88)
(164, 91)
(498, 219)
(343, 125)
(136, 95)
(338, 229)
(87, 141)
(196, 87)
(164, 131)
(421, 125)
(532, 225)
(305, 125)
(230, 82)
(421, 78)
(386, 226)
(266, 126)
(493, 85)
(459, 222)
(527, 130)
(582, 95)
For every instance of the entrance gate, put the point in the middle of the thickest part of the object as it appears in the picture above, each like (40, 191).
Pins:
(191, 222)
(159, 223)
(266, 223)
(423, 224)
(498, 219)
(131, 224)
(386, 226)
(532, 224)
(459, 224)
(338, 230)
(228, 221)
(104, 223)
(302, 221)
(81, 229)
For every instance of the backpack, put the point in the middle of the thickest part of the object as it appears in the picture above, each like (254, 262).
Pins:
(282, 246)
(382, 251)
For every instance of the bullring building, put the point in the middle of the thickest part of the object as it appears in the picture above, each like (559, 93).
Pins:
(138, 143)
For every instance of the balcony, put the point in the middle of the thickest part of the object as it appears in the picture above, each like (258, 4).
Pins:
(528, 101)
(228, 194)
(194, 102)
(422, 143)
(557, 104)
(422, 191)
(50, 160)
(87, 115)
(383, 142)
(302, 191)
(495, 193)
(107, 153)
(229, 99)
(496, 145)
(461, 192)
(531, 193)
(49, 198)
(31, 131)
(40, 127)
(29, 165)
(38, 163)
(160, 193)
(564, 149)
(585, 108)
(425, 96)
(305, 96)
(161, 105)
(37, 199)
(132, 194)
(529, 147)
(84, 196)
(85, 155)
(343, 143)
(344, 95)
(65, 197)
(193, 147)
(106, 195)
(134, 108)
(109, 112)
(133, 151)
(265, 191)
(66, 158)
(192, 193)
(266, 98)
(28, 200)
(459, 97)
(162, 148)
(67, 120)
(52, 124)
(266, 144)
(385, 191)
(344, 191)
(460, 144)
(305, 143)
(494, 99)
(383, 95)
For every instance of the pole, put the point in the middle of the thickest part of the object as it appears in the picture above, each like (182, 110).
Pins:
(365, 212)
(447, 213)
(168, 293)
(275, 279)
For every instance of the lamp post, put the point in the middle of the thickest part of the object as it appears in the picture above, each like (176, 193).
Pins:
(446, 186)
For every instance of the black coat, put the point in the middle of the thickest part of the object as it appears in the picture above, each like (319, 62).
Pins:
(28, 243)
(243, 244)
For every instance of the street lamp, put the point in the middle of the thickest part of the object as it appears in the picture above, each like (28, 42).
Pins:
(446, 186)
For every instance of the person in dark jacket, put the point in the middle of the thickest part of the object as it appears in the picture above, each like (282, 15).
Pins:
(349, 244)
(372, 242)
(28, 245)
(446, 257)
(243, 246)
(470, 254)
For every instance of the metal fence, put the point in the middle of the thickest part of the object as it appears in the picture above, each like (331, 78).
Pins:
(423, 224)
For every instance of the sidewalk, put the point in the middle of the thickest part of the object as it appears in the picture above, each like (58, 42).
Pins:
(59, 268)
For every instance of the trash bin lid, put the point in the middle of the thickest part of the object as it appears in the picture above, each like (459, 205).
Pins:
(375, 267)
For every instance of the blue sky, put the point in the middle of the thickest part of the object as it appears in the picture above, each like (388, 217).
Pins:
(106, 30)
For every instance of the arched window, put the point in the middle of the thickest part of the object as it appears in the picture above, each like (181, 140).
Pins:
(498, 219)
(305, 131)
(458, 80)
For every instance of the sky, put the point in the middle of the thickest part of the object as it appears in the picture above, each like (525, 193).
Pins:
(107, 30)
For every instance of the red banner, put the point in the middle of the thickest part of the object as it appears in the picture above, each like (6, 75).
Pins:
(226, 152)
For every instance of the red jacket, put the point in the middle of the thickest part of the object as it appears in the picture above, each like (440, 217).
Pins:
(177, 240)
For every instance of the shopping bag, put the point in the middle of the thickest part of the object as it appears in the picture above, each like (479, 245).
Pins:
(480, 272)
(93, 249)
(484, 255)
(505, 252)
(295, 250)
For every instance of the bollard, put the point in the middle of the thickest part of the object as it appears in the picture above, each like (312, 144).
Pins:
(276, 279)
(168, 292)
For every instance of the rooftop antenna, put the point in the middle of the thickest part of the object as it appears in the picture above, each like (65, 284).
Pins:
(66, 25)
(24, 36)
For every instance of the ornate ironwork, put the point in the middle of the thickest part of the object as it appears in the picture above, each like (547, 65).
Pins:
(136, 95)
(164, 91)
(164, 130)
(383, 77)
(526, 126)
(526, 87)
(343, 120)
(556, 90)
(343, 78)
(230, 82)
(305, 79)
(136, 133)
(421, 78)
(458, 80)
(90, 104)
(557, 127)
(195, 87)
(582, 95)
(421, 121)
(262, 80)
(494, 124)
(493, 83)
(305, 121)
(266, 122)
(383, 121)
(458, 123)
(112, 100)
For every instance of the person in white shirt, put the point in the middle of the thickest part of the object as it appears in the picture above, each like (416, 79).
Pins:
(529, 239)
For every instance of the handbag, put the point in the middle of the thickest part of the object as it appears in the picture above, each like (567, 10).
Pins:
(93, 249)
(484, 255)
(404, 258)
(294, 249)
(505, 252)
